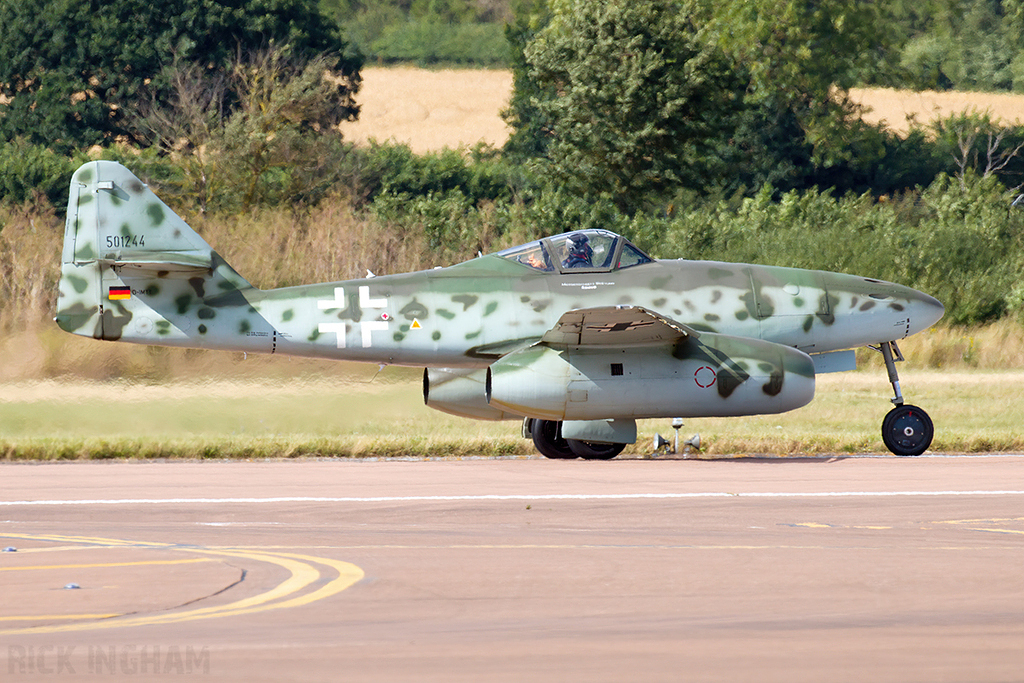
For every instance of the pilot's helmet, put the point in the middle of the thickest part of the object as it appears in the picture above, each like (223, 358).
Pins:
(577, 244)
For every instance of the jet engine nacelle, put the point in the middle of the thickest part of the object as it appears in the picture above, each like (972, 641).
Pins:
(707, 376)
(461, 392)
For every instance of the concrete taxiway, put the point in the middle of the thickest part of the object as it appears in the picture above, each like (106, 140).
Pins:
(838, 569)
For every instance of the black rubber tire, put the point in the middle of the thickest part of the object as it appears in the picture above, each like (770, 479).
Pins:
(588, 450)
(547, 438)
(907, 430)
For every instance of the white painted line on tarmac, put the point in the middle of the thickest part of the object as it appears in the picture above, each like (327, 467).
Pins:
(487, 497)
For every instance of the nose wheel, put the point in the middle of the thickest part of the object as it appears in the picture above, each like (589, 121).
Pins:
(906, 430)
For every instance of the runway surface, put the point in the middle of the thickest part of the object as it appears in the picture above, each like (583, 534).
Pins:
(825, 569)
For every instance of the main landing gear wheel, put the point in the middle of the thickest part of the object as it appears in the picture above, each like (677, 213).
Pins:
(547, 437)
(907, 430)
(589, 450)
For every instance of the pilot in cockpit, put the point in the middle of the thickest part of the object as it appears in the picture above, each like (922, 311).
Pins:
(577, 247)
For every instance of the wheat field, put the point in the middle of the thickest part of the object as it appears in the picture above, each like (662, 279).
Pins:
(897, 108)
(430, 110)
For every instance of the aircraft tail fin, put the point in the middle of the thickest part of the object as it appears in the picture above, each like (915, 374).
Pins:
(120, 241)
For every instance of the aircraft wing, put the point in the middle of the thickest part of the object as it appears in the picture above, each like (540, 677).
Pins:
(617, 326)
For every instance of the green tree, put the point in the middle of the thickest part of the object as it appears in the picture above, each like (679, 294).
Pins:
(800, 49)
(280, 141)
(531, 131)
(67, 67)
(425, 31)
(668, 96)
(961, 44)
(640, 97)
(978, 145)
(802, 58)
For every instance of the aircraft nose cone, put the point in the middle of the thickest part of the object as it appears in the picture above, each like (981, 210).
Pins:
(925, 310)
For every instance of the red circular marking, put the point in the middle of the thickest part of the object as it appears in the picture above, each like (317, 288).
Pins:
(705, 376)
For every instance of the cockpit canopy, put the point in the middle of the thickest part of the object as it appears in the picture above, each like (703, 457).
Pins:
(587, 251)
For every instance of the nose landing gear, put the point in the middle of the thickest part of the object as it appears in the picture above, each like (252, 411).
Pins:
(906, 430)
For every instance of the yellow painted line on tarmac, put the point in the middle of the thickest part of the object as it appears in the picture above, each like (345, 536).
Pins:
(979, 521)
(52, 548)
(516, 546)
(348, 575)
(105, 564)
(1003, 531)
(301, 574)
(821, 525)
(54, 617)
(87, 540)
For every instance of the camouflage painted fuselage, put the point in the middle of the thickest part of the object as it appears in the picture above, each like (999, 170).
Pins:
(472, 313)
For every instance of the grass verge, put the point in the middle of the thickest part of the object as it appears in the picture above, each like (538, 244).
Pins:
(974, 412)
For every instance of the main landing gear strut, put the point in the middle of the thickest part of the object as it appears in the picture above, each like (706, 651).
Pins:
(906, 430)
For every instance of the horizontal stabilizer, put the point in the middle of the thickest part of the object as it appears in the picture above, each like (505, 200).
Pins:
(162, 264)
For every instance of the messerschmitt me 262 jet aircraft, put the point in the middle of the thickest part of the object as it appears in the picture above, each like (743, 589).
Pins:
(578, 335)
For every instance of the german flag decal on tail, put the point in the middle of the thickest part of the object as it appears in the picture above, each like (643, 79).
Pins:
(120, 293)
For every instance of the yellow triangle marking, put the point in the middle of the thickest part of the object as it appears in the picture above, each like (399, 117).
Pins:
(416, 325)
